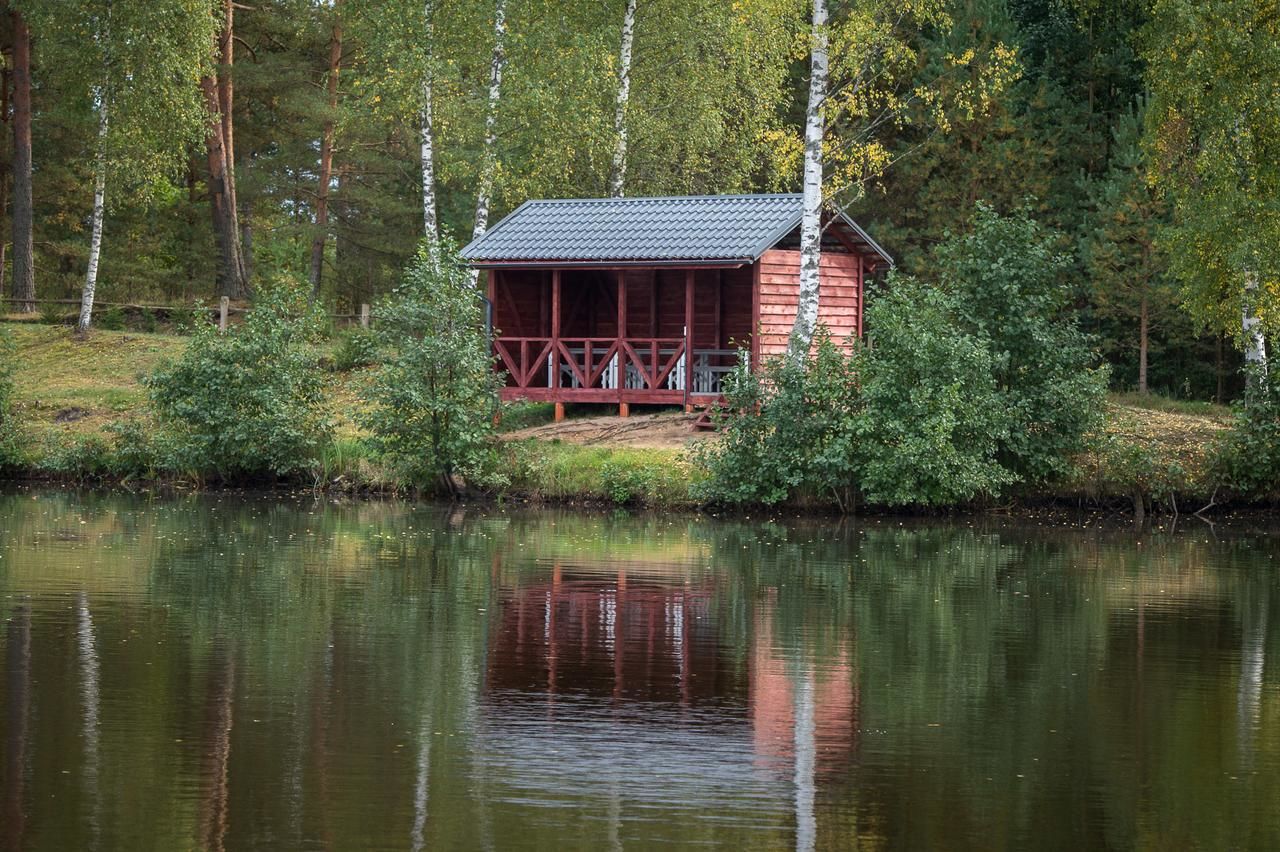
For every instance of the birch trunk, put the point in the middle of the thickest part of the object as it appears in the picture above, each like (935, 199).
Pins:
(427, 135)
(326, 157)
(220, 148)
(24, 271)
(618, 173)
(99, 209)
(1255, 344)
(484, 187)
(811, 219)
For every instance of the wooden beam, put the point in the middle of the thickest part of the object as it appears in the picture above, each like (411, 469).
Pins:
(555, 338)
(621, 281)
(719, 334)
(755, 315)
(688, 336)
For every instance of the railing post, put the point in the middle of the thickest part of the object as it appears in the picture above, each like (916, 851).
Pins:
(224, 307)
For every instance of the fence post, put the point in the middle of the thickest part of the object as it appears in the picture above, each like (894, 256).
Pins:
(364, 316)
(224, 304)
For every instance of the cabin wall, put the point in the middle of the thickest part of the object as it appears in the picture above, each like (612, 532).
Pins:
(839, 306)
(521, 302)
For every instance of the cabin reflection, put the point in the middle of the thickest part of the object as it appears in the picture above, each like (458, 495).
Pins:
(590, 637)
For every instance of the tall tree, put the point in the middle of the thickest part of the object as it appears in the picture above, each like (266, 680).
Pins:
(325, 176)
(426, 129)
(618, 170)
(489, 156)
(219, 92)
(24, 275)
(1129, 277)
(811, 217)
(1215, 143)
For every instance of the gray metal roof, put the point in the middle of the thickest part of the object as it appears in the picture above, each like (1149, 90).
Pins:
(672, 229)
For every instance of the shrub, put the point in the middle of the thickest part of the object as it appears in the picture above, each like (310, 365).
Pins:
(932, 422)
(1248, 458)
(789, 427)
(1009, 286)
(148, 322)
(52, 313)
(433, 400)
(249, 402)
(111, 319)
(357, 347)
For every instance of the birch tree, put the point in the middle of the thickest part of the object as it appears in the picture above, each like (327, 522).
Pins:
(138, 71)
(811, 217)
(426, 133)
(219, 93)
(861, 85)
(1214, 137)
(489, 155)
(618, 171)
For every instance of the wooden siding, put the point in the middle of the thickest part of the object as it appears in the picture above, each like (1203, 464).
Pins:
(839, 308)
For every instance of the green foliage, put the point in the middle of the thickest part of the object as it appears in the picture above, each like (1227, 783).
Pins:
(10, 427)
(249, 402)
(357, 347)
(111, 319)
(1139, 468)
(933, 422)
(433, 400)
(1013, 288)
(790, 427)
(51, 313)
(1249, 457)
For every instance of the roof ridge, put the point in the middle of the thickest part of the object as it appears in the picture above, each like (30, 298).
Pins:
(628, 199)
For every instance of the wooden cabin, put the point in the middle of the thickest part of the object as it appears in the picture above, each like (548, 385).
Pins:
(650, 300)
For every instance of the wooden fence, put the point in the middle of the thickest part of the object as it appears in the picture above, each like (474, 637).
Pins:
(222, 311)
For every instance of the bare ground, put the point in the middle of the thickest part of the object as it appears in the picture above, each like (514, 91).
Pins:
(666, 431)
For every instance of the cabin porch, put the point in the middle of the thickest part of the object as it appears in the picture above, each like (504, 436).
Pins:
(636, 335)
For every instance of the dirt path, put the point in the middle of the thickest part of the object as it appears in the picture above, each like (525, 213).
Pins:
(660, 431)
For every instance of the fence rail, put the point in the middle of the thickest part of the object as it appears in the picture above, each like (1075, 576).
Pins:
(222, 310)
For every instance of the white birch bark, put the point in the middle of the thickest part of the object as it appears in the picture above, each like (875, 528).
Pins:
(427, 134)
(618, 173)
(811, 220)
(99, 207)
(1255, 344)
(484, 186)
(805, 760)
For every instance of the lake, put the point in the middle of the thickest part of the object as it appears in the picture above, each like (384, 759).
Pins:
(228, 672)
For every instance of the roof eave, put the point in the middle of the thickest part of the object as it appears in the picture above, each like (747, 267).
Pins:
(606, 263)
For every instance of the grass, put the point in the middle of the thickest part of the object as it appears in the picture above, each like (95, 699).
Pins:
(1156, 402)
(560, 471)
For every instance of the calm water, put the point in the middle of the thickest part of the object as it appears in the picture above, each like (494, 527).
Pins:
(237, 674)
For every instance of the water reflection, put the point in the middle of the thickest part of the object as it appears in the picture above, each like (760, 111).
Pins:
(224, 673)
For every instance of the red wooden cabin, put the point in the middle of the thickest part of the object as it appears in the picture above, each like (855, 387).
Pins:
(650, 300)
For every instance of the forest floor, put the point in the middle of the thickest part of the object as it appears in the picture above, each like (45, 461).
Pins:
(66, 388)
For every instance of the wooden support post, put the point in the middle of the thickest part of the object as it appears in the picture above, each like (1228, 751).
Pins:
(559, 411)
(755, 315)
(224, 307)
(623, 408)
(364, 315)
(555, 340)
(688, 337)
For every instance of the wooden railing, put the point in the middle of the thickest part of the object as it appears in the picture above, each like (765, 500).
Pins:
(607, 364)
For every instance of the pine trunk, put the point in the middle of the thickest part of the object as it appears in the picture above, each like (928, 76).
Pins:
(427, 142)
(484, 186)
(618, 172)
(24, 271)
(811, 219)
(326, 158)
(99, 209)
(1143, 336)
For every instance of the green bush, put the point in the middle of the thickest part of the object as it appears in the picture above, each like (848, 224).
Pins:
(111, 319)
(249, 402)
(932, 420)
(788, 427)
(1010, 287)
(433, 400)
(51, 313)
(148, 322)
(357, 347)
(1248, 458)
